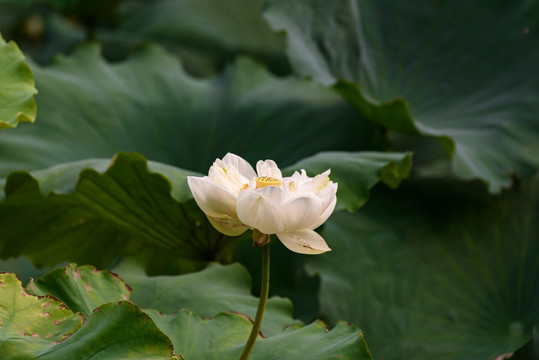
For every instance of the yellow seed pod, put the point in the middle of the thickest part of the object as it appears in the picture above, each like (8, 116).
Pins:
(264, 181)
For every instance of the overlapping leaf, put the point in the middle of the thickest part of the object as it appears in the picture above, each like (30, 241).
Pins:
(437, 270)
(455, 70)
(211, 291)
(16, 87)
(119, 330)
(149, 105)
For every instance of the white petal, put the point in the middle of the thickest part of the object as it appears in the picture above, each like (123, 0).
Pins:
(315, 184)
(268, 168)
(300, 177)
(227, 175)
(304, 242)
(227, 225)
(328, 196)
(214, 199)
(243, 167)
(260, 209)
(302, 212)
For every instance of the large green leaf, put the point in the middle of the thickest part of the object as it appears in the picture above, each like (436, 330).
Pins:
(457, 70)
(30, 324)
(17, 89)
(224, 337)
(92, 109)
(437, 270)
(81, 288)
(216, 289)
(126, 209)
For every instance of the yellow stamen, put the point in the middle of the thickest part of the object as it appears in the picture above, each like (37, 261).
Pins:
(264, 181)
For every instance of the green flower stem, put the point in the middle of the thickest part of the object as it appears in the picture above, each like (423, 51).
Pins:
(264, 290)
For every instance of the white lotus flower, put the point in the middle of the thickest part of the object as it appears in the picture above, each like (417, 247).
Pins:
(235, 198)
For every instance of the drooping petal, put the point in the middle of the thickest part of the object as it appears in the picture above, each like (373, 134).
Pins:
(268, 168)
(227, 225)
(301, 212)
(214, 199)
(243, 167)
(260, 209)
(304, 242)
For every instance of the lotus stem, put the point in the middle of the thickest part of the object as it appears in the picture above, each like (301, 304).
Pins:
(264, 290)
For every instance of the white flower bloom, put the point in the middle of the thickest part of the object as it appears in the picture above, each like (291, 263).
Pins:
(234, 198)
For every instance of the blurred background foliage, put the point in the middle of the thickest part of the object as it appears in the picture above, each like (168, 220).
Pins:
(435, 260)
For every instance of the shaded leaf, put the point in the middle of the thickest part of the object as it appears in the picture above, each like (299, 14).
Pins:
(530, 351)
(24, 269)
(17, 89)
(205, 33)
(436, 269)
(216, 289)
(81, 288)
(74, 7)
(92, 9)
(455, 70)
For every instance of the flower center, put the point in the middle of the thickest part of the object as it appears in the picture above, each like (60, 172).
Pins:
(264, 181)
